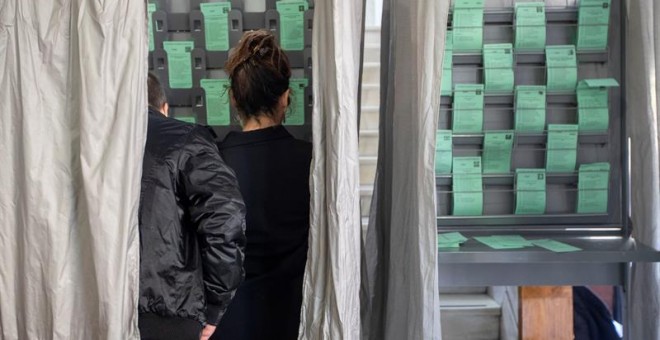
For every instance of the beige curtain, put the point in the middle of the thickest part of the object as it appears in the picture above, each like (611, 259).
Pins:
(331, 306)
(642, 94)
(72, 132)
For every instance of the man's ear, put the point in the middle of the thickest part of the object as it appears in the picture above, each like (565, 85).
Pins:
(165, 109)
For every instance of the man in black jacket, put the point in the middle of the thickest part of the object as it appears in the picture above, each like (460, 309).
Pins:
(192, 229)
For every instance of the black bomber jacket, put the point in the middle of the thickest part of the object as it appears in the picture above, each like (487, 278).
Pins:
(192, 224)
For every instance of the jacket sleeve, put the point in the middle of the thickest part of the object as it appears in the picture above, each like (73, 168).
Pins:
(217, 212)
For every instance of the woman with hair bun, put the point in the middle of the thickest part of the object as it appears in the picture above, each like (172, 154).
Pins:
(273, 174)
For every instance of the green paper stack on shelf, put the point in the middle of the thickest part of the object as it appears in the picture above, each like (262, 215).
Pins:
(561, 153)
(530, 26)
(467, 186)
(179, 63)
(292, 24)
(530, 109)
(593, 24)
(443, 152)
(561, 68)
(593, 187)
(468, 25)
(498, 67)
(151, 8)
(446, 86)
(468, 109)
(216, 25)
(498, 146)
(296, 114)
(216, 93)
(450, 240)
(593, 104)
(530, 191)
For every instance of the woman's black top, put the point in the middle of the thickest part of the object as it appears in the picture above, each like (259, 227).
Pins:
(272, 168)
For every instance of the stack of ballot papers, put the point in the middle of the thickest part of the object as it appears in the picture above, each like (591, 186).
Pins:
(530, 107)
(593, 24)
(498, 67)
(468, 108)
(593, 187)
(468, 25)
(216, 25)
(593, 104)
(498, 146)
(450, 240)
(561, 154)
(443, 152)
(292, 24)
(530, 27)
(561, 68)
(530, 191)
(446, 87)
(467, 186)
(503, 242)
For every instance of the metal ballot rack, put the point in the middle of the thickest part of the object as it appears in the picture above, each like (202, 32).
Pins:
(190, 42)
(506, 204)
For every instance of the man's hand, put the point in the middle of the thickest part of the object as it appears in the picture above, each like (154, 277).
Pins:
(207, 332)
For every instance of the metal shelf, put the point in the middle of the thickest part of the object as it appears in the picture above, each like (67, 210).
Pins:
(507, 179)
(529, 138)
(604, 260)
(552, 98)
(528, 57)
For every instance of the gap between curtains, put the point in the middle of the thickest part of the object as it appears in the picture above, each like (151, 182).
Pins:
(400, 272)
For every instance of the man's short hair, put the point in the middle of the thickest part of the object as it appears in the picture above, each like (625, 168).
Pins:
(156, 93)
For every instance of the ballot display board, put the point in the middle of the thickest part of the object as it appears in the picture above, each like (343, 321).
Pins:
(531, 126)
(531, 153)
(190, 41)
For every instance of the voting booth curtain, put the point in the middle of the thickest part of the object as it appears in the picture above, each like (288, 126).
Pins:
(72, 133)
(400, 273)
(331, 305)
(643, 70)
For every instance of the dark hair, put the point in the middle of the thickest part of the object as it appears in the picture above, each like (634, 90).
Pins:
(259, 72)
(156, 93)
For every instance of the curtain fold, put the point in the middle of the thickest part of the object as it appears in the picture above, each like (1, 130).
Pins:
(642, 93)
(331, 307)
(400, 273)
(72, 133)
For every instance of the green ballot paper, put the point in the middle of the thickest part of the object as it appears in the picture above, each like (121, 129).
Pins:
(561, 153)
(450, 240)
(498, 67)
(504, 241)
(292, 24)
(561, 68)
(468, 25)
(555, 246)
(447, 64)
(296, 115)
(593, 187)
(530, 191)
(593, 104)
(151, 8)
(530, 28)
(530, 108)
(468, 108)
(216, 93)
(187, 119)
(216, 25)
(593, 24)
(468, 186)
(443, 152)
(179, 63)
(497, 152)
